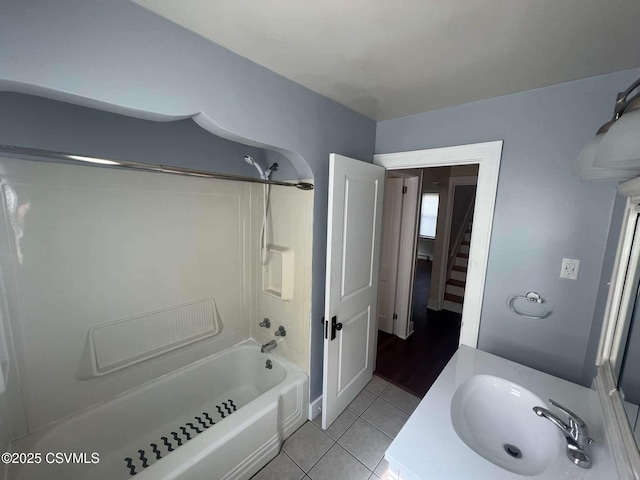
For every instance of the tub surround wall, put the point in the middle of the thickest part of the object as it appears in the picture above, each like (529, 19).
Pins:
(100, 245)
(13, 422)
(12, 417)
(119, 57)
(543, 212)
(289, 230)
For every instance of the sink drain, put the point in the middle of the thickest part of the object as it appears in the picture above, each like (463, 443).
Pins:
(512, 450)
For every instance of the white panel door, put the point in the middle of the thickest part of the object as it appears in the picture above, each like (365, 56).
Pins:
(392, 215)
(353, 251)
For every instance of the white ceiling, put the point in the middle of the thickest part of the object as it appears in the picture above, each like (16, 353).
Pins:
(388, 59)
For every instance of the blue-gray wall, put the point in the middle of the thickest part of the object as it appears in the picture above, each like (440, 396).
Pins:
(116, 56)
(543, 213)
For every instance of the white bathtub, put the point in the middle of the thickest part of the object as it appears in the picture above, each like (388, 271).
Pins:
(253, 409)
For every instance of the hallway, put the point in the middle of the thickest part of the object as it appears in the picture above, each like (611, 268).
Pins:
(415, 363)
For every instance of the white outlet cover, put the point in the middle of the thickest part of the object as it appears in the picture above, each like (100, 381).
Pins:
(570, 268)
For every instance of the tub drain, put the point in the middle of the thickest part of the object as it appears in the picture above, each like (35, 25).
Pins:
(512, 450)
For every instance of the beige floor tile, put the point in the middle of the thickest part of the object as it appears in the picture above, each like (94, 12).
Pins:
(361, 402)
(376, 385)
(366, 443)
(385, 417)
(307, 445)
(400, 398)
(280, 468)
(338, 464)
(340, 425)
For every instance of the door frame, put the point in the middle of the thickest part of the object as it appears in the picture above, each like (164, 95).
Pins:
(487, 155)
(407, 256)
(389, 254)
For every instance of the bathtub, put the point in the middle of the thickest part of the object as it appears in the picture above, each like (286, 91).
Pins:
(223, 417)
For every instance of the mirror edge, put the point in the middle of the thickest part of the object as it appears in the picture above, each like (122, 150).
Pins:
(623, 446)
(621, 440)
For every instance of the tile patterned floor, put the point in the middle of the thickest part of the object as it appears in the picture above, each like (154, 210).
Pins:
(353, 447)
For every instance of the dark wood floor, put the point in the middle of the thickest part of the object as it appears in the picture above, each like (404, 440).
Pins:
(415, 363)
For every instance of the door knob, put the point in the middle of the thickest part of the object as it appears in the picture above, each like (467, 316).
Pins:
(335, 326)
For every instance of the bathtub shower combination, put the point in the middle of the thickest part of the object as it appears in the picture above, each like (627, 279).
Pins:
(130, 297)
(223, 417)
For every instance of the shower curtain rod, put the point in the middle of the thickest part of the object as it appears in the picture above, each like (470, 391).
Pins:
(84, 159)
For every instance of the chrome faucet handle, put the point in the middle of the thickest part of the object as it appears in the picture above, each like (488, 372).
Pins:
(553, 418)
(577, 424)
(266, 323)
(281, 332)
(572, 416)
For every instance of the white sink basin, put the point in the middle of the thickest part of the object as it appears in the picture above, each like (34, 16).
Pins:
(494, 417)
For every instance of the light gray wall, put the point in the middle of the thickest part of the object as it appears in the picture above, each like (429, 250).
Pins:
(543, 213)
(116, 56)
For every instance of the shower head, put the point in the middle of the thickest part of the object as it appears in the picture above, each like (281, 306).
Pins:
(264, 175)
(250, 160)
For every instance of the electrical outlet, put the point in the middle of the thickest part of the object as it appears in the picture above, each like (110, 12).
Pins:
(570, 268)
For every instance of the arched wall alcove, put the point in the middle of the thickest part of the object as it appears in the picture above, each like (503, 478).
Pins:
(118, 57)
(297, 170)
(31, 121)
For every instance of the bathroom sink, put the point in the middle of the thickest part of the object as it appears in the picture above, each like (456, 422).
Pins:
(495, 418)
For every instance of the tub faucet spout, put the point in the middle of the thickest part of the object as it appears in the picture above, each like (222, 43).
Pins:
(267, 347)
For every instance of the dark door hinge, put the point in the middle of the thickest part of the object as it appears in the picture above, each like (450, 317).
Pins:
(395, 316)
(404, 189)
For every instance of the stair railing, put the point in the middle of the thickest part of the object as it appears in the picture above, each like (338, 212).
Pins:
(454, 247)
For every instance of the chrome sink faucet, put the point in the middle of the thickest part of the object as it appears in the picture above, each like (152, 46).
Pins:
(576, 433)
(267, 347)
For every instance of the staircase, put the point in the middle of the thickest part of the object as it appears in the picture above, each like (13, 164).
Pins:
(457, 278)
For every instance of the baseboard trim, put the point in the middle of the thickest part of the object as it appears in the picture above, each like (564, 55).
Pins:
(433, 304)
(315, 408)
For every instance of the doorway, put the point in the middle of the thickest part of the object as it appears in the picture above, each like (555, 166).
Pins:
(428, 301)
(354, 232)
(487, 155)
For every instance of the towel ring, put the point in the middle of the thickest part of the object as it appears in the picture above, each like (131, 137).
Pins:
(532, 297)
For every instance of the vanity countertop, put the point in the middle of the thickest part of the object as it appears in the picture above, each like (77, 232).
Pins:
(428, 447)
